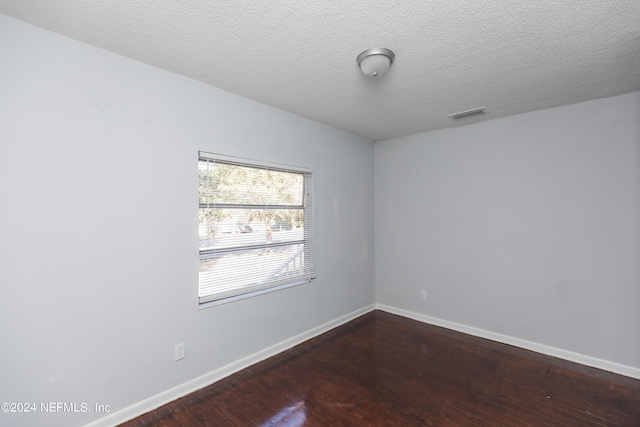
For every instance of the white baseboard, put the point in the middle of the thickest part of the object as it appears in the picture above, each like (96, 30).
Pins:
(209, 378)
(594, 362)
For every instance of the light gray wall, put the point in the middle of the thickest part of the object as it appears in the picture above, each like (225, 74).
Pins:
(526, 226)
(99, 245)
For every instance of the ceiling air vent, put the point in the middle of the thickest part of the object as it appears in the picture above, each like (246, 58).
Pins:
(467, 113)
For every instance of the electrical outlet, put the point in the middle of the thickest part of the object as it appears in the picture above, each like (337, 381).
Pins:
(179, 351)
(423, 295)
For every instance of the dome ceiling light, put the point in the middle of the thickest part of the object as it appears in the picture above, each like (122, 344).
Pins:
(375, 62)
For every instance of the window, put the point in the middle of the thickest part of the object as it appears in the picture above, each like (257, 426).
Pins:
(256, 227)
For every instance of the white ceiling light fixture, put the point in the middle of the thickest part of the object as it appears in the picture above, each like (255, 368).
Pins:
(375, 62)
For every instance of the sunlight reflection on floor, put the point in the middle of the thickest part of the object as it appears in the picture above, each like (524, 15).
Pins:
(291, 416)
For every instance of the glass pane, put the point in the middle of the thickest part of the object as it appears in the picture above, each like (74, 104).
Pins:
(231, 184)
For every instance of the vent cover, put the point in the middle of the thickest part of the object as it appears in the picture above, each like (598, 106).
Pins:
(467, 113)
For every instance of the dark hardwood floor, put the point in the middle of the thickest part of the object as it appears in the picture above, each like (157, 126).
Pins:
(385, 370)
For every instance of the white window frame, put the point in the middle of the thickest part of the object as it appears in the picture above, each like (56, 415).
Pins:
(207, 293)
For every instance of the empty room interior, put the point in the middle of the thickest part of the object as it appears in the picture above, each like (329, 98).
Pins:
(513, 228)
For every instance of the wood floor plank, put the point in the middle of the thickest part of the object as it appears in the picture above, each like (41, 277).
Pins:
(385, 370)
(211, 411)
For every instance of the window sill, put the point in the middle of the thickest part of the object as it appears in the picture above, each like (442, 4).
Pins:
(235, 298)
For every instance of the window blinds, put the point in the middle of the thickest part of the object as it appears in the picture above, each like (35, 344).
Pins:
(255, 227)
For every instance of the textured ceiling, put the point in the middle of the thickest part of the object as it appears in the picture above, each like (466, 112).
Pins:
(511, 56)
